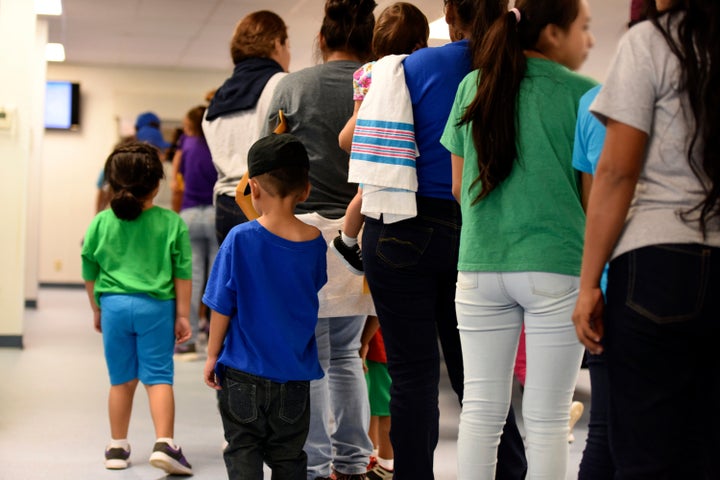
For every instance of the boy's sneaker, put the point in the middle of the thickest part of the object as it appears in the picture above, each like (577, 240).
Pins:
(379, 473)
(186, 352)
(117, 458)
(170, 459)
(350, 256)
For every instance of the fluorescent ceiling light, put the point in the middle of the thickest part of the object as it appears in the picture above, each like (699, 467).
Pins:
(54, 52)
(48, 7)
(439, 29)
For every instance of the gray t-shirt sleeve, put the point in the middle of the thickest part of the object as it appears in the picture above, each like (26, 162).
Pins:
(628, 95)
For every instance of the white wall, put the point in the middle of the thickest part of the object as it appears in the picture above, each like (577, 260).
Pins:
(71, 161)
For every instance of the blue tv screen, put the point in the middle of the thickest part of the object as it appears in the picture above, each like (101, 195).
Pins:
(62, 105)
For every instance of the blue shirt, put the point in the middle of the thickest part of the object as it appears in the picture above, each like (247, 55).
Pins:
(589, 140)
(432, 76)
(268, 286)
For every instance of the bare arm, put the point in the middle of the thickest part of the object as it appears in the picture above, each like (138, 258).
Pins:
(457, 169)
(586, 180)
(177, 160)
(346, 134)
(218, 329)
(90, 289)
(183, 288)
(612, 191)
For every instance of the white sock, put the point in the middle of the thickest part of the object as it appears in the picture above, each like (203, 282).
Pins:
(122, 443)
(386, 463)
(349, 241)
(375, 452)
(167, 440)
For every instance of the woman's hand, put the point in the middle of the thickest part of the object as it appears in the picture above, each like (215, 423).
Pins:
(588, 320)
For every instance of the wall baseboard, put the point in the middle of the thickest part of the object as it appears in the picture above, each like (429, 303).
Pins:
(11, 341)
(61, 285)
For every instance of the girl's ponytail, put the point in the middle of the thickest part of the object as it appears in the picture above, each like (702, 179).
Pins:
(492, 113)
(500, 57)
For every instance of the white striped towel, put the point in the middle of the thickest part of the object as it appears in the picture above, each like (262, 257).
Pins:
(383, 152)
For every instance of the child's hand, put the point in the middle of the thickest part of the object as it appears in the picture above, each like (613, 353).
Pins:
(182, 330)
(96, 321)
(209, 373)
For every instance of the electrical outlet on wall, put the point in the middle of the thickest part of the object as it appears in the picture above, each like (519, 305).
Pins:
(6, 119)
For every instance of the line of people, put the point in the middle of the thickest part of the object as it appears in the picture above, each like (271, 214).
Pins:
(470, 159)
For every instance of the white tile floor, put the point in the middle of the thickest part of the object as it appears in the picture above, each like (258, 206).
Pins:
(53, 419)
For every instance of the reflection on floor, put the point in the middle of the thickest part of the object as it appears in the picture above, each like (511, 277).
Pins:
(53, 415)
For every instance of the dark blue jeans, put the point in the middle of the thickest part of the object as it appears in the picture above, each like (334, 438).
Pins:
(227, 215)
(662, 330)
(411, 268)
(597, 463)
(264, 421)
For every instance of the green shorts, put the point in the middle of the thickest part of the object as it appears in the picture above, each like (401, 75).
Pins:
(378, 380)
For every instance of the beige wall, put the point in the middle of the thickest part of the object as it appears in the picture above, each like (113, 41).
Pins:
(21, 43)
(71, 161)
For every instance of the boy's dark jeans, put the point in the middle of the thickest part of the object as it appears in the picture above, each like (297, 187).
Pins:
(661, 343)
(264, 421)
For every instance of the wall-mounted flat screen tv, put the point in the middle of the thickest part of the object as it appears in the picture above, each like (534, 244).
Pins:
(62, 105)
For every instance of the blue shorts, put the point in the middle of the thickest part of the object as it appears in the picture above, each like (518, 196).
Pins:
(139, 338)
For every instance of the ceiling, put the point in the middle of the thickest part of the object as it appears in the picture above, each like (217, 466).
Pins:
(195, 34)
(182, 33)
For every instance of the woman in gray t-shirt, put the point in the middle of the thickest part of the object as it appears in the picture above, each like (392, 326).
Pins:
(654, 212)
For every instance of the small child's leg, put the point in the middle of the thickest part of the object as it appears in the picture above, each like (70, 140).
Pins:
(345, 245)
(120, 402)
(385, 450)
(166, 455)
(162, 409)
(353, 221)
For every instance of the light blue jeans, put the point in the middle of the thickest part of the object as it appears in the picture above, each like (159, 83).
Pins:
(201, 226)
(342, 393)
(491, 309)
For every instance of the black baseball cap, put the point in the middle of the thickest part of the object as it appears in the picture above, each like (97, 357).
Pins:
(277, 150)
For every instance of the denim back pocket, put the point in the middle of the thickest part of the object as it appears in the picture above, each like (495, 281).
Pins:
(241, 401)
(666, 283)
(552, 285)
(294, 398)
(403, 246)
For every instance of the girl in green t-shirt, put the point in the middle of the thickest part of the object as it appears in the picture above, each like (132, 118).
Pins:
(511, 135)
(136, 263)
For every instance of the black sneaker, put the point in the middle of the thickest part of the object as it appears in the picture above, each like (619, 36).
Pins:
(170, 459)
(117, 458)
(350, 256)
(379, 473)
(349, 476)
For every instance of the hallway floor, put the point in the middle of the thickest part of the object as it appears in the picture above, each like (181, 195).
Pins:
(53, 415)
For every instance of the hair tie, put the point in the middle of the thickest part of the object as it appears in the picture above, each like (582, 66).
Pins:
(517, 14)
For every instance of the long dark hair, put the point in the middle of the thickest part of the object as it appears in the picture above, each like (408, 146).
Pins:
(133, 171)
(501, 59)
(348, 26)
(692, 32)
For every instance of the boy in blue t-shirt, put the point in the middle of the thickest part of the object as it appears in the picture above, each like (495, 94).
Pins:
(263, 292)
